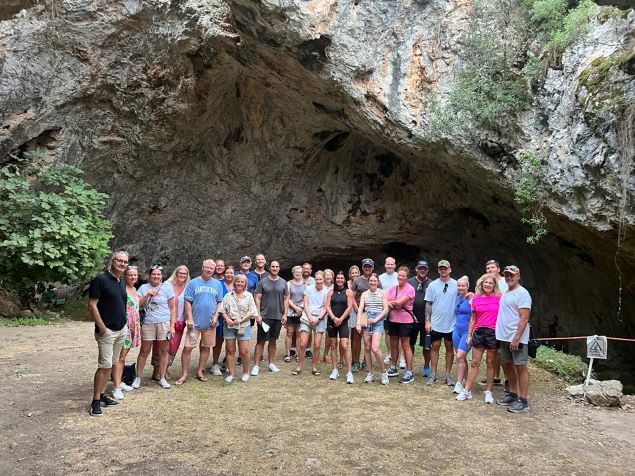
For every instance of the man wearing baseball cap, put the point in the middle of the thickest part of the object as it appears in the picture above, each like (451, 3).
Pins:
(420, 282)
(512, 331)
(440, 319)
(245, 269)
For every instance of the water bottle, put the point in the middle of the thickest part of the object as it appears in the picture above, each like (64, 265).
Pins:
(427, 341)
(192, 335)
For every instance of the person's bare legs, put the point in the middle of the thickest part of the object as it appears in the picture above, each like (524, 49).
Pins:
(100, 381)
(271, 351)
(117, 369)
(475, 365)
(332, 342)
(346, 352)
(217, 349)
(317, 340)
(368, 352)
(406, 350)
(376, 349)
(230, 353)
(491, 367)
(288, 339)
(164, 346)
(144, 352)
(302, 342)
(243, 350)
(427, 357)
(202, 360)
(434, 357)
(186, 356)
(258, 350)
(356, 345)
(523, 380)
(449, 356)
(394, 350)
(461, 366)
(510, 373)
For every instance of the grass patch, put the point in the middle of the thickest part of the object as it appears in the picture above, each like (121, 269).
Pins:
(570, 368)
(30, 321)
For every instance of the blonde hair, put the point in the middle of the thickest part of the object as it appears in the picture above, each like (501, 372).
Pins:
(464, 278)
(172, 278)
(329, 271)
(243, 278)
(479, 285)
(350, 270)
(296, 268)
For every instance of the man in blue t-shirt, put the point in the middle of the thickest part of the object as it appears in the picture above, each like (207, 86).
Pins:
(202, 297)
(440, 319)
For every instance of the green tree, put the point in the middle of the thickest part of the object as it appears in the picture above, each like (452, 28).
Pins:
(52, 228)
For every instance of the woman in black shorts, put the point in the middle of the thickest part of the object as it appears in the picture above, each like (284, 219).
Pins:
(339, 303)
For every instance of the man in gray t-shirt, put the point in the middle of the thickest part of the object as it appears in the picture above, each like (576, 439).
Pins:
(272, 302)
(440, 297)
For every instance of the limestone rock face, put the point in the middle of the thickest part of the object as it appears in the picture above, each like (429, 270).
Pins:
(301, 128)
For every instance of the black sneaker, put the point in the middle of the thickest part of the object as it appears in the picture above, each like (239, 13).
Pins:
(507, 400)
(107, 401)
(95, 408)
(506, 386)
(407, 378)
(497, 381)
(308, 354)
(393, 372)
(518, 407)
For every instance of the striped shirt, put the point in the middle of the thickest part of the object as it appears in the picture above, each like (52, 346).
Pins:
(373, 301)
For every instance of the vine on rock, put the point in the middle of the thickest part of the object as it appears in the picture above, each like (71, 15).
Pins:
(529, 195)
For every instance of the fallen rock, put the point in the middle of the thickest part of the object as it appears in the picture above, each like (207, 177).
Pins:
(607, 393)
(576, 391)
(9, 304)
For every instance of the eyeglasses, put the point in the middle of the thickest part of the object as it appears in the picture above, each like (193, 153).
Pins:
(445, 287)
(131, 266)
(120, 260)
(156, 266)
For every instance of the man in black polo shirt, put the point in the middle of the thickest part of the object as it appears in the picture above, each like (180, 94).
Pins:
(107, 306)
(420, 282)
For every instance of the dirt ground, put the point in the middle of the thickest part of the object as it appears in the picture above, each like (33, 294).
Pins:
(283, 424)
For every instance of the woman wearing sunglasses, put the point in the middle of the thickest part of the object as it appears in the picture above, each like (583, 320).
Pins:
(159, 323)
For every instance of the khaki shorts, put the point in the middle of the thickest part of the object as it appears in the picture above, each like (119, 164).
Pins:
(208, 337)
(109, 346)
(157, 331)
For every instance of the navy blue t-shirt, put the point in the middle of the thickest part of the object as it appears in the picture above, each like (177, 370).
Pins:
(110, 293)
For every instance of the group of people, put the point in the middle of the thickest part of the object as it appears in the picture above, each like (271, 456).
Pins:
(224, 305)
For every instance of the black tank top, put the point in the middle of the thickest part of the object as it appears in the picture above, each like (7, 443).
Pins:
(339, 301)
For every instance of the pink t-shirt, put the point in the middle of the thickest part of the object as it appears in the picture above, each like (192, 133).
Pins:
(401, 315)
(486, 309)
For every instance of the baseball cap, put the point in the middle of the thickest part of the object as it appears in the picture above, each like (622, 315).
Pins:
(444, 263)
(512, 269)
(368, 262)
(422, 264)
(245, 258)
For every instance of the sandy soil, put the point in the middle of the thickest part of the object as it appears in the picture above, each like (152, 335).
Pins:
(283, 424)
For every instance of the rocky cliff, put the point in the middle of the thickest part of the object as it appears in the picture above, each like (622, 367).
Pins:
(302, 128)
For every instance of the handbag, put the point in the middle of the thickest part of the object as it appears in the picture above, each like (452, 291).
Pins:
(362, 319)
(532, 344)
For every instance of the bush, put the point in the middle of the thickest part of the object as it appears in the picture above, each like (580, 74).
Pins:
(571, 368)
(529, 195)
(51, 225)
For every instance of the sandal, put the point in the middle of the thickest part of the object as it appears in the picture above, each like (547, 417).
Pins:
(297, 358)
(316, 372)
(180, 381)
(296, 372)
(287, 358)
(201, 378)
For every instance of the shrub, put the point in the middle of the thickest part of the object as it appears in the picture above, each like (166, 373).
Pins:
(529, 194)
(51, 225)
(570, 368)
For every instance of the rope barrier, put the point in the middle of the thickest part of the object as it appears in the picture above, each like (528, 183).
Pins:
(583, 337)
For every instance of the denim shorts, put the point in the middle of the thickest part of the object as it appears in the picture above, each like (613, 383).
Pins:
(378, 327)
(321, 326)
(231, 333)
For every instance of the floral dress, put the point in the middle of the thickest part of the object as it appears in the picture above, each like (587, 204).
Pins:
(133, 338)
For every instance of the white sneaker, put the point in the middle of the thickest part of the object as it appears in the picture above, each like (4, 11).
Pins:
(255, 370)
(273, 368)
(488, 397)
(402, 363)
(349, 377)
(369, 378)
(334, 374)
(229, 379)
(164, 383)
(136, 382)
(117, 394)
(245, 377)
(464, 395)
(384, 378)
(458, 388)
(216, 370)
(126, 388)
(387, 359)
